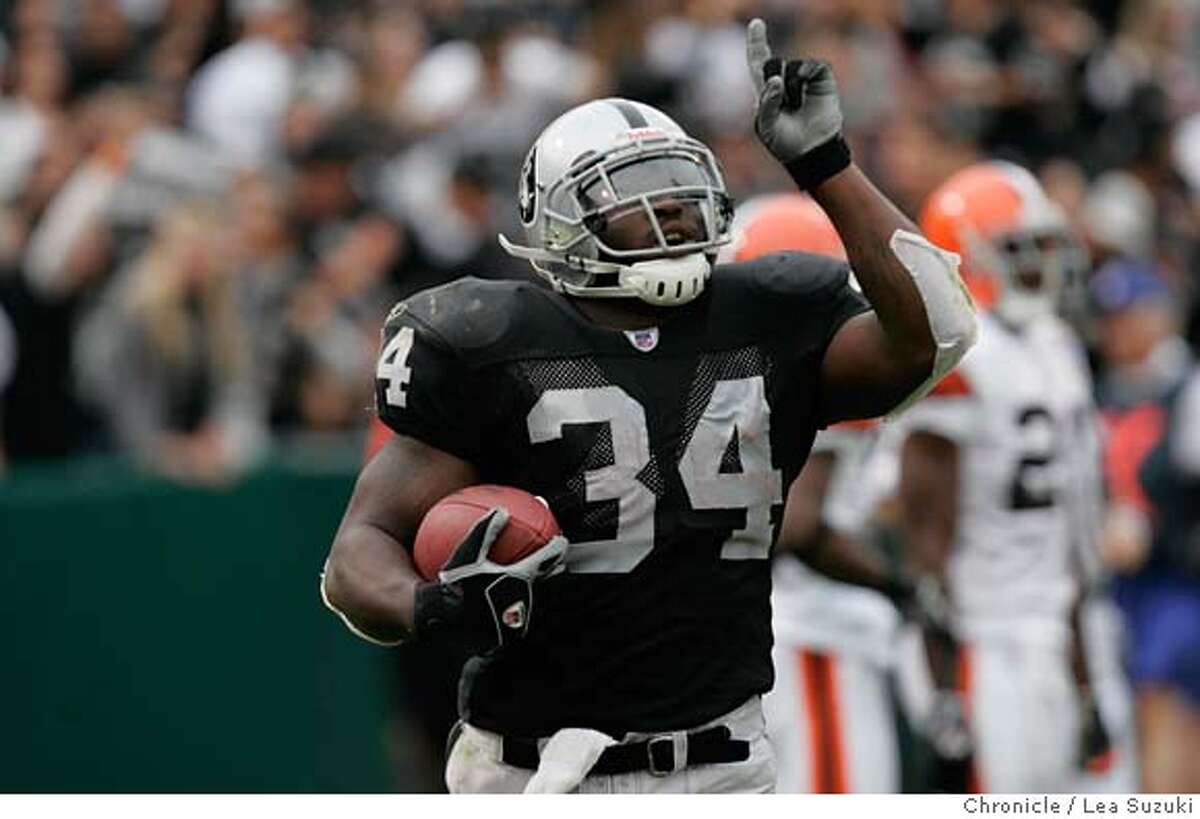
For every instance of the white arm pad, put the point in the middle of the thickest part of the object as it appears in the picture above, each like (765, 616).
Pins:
(948, 306)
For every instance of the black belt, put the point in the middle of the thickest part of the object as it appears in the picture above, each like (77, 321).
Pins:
(656, 755)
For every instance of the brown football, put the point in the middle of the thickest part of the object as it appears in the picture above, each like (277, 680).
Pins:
(530, 526)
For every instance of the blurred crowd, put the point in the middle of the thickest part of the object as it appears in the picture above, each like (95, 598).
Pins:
(206, 206)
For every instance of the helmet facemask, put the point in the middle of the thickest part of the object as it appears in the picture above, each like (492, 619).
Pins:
(1031, 267)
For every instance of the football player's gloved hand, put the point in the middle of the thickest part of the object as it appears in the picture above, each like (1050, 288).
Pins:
(931, 606)
(486, 603)
(798, 115)
(1094, 742)
(949, 736)
(946, 726)
(921, 600)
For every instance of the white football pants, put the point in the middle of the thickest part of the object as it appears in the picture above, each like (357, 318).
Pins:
(831, 723)
(1021, 705)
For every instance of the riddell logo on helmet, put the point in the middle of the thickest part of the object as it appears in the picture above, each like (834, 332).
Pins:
(635, 134)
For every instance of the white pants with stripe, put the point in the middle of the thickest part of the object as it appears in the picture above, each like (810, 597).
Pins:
(475, 764)
(1024, 712)
(1021, 704)
(831, 723)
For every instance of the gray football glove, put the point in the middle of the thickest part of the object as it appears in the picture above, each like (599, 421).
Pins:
(948, 733)
(798, 115)
(486, 603)
(946, 726)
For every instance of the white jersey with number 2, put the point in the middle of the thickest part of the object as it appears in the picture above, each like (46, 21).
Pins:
(1019, 408)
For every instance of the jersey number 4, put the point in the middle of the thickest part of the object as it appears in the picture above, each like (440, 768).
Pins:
(393, 367)
(737, 407)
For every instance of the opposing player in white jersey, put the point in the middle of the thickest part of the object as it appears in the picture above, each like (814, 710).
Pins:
(829, 716)
(989, 467)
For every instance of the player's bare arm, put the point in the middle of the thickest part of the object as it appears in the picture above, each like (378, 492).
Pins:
(803, 527)
(1094, 742)
(929, 491)
(369, 578)
(929, 500)
(923, 322)
(879, 358)
(805, 533)
(837, 555)
(840, 556)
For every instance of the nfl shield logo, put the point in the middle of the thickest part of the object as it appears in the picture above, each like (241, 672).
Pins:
(643, 340)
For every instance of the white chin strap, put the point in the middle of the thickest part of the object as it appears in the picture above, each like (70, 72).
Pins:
(948, 306)
(665, 282)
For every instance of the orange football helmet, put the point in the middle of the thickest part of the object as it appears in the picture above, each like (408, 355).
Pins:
(1017, 249)
(780, 222)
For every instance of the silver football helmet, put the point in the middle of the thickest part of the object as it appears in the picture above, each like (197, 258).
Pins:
(611, 169)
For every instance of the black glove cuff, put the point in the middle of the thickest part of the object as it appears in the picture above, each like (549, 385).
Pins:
(436, 608)
(812, 168)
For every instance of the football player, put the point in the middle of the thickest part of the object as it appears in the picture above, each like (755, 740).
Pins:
(660, 406)
(829, 716)
(992, 481)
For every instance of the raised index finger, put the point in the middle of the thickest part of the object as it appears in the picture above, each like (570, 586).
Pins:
(758, 51)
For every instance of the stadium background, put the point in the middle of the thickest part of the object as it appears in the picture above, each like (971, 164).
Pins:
(207, 206)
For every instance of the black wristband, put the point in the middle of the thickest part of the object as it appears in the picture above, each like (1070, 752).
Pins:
(812, 168)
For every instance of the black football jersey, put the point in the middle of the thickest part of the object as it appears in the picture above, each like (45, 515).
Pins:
(664, 453)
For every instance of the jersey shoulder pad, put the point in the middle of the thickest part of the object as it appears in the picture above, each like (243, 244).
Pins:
(426, 384)
(798, 295)
(792, 276)
(466, 315)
